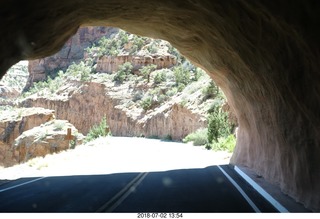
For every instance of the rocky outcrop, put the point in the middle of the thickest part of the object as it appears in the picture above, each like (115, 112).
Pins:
(37, 71)
(171, 119)
(111, 64)
(48, 138)
(13, 123)
(263, 54)
(26, 133)
(73, 51)
(8, 92)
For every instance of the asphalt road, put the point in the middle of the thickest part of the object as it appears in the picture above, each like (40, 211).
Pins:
(207, 189)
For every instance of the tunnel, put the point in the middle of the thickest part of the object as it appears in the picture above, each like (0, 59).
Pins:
(263, 54)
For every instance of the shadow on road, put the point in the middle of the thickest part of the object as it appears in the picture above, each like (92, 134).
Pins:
(185, 190)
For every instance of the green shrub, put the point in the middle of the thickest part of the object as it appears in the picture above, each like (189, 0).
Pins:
(146, 102)
(198, 73)
(199, 137)
(152, 48)
(162, 98)
(211, 91)
(182, 76)
(146, 70)
(114, 45)
(224, 144)
(181, 87)
(102, 129)
(123, 72)
(160, 77)
(153, 98)
(172, 92)
(79, 71)
(167, 138)
(218, 125)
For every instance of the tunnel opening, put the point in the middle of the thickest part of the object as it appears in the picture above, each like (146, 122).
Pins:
(263, 56)
(174, 99)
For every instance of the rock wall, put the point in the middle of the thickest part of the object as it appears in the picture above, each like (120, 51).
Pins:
(13, 126)
(263, 54)
(50, 137)
(170, 119)
(111, 64)
(8, 92)
(72, 51)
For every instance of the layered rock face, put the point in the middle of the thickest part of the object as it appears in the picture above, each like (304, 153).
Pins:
(171, 119)
(111, 64)
(263, 54)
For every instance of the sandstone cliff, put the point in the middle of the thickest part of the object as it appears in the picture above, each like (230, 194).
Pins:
(75, 100)
(72, 51)
(111, 64)
(123, 116)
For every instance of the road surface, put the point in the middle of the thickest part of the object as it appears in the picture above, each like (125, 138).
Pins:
(166, 182)
(186, 190)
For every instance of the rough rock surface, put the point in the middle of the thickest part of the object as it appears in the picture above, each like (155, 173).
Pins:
(8, 92)
(263, 54)
(111, 64)
(13, 123)
(171, 119)
(72, 51)
(45, 139)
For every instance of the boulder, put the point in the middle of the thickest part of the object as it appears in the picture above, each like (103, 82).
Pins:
(13, 122)
(48, 138)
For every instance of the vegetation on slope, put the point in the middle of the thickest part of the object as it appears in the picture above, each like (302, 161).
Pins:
(159, 85)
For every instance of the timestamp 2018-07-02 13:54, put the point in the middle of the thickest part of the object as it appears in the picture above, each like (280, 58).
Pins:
(159, 215)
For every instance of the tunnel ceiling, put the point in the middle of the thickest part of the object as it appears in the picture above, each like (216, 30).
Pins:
(263, 54)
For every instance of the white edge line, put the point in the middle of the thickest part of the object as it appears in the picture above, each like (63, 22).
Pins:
(12, 187)
(262, 192)
(255, 208)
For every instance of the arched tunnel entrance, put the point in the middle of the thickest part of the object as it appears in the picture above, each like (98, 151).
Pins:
(263, 55)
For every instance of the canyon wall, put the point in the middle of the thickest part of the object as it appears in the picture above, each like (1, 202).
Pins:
(73, 51)
(111, 64)
(170, 119)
